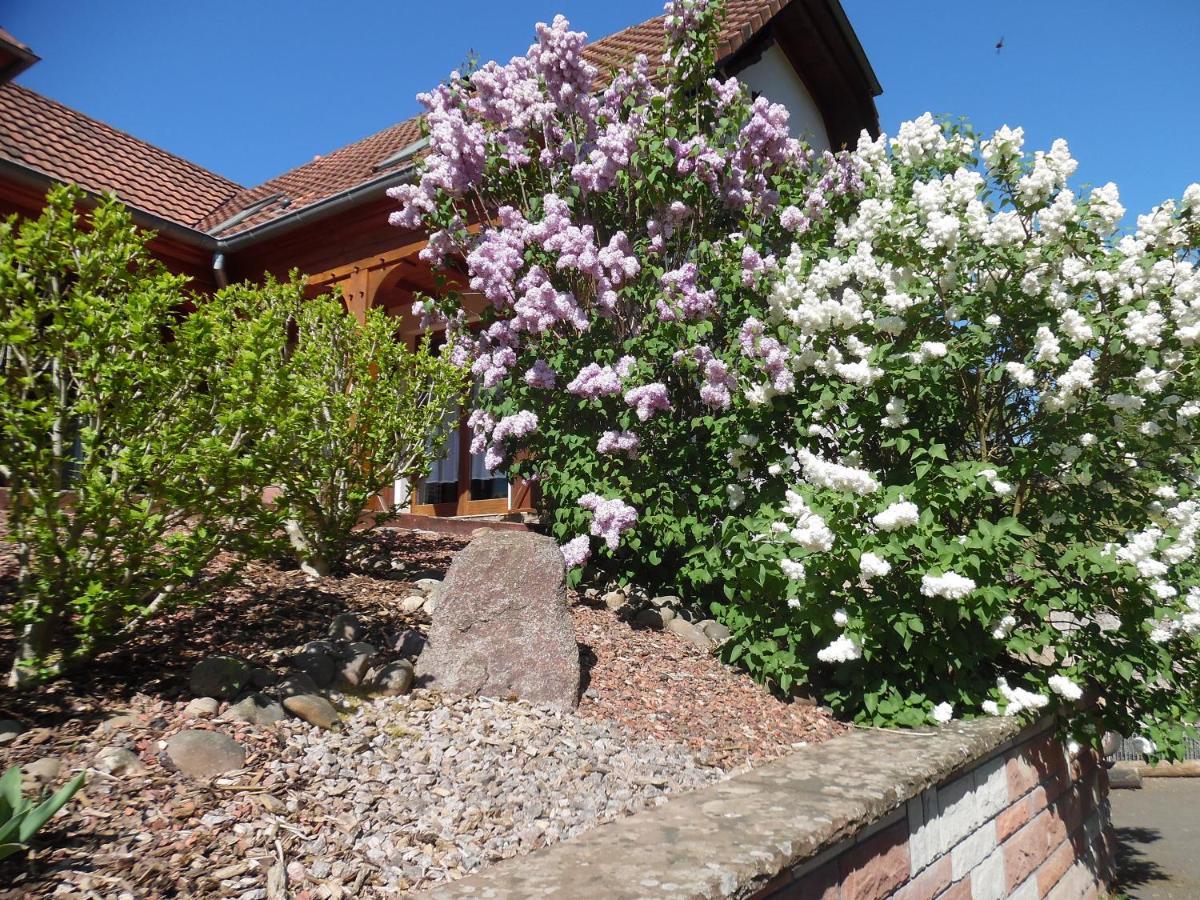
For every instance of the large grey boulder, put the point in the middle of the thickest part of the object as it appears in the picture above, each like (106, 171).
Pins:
(502, 626)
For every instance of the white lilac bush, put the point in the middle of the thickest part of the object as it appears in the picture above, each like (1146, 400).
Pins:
(978, 491)
(916, 418)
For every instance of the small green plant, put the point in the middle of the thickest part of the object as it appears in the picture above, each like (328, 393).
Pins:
(20, 818)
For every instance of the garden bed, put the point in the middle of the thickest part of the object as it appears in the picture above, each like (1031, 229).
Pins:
(408, 791)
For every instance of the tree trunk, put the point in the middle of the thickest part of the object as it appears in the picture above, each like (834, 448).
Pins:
(312, 562)
(32, 645)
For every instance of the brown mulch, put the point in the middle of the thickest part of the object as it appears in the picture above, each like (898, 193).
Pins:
(141, 836)
(654, 683)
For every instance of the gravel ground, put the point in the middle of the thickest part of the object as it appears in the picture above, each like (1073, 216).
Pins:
(408, 791)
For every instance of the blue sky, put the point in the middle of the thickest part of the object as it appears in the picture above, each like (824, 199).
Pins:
(250, 89)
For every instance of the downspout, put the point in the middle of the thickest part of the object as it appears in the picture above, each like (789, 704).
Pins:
(220, 275)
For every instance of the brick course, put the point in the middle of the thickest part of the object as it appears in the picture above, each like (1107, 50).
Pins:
(1029, 823)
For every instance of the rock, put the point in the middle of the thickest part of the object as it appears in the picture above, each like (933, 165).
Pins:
(409, 643)
(431, 604)
(43, 771)
(313, 709)
(257, 709)
(1125, 776)
(413, 603)
(690, 633)
(355, 660)
(427, 586)
(114, 724)
(317, 663)
(394, 679)
(346, 627)
(615, 600)
(222, 677)
(204, 754)
(35, 736)
(1110, 743)
(502, 626)
(295, 683)
(715, 630)
(666, 600)
(654, 618)
(118, 761)
(9, 729)
(263, 678)
(202, 708)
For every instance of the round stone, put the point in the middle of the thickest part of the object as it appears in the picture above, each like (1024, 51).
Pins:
(413, 603)
(394, 679)
(118, 761)
(257, 709)
(346, 627)
(313, 709)
(205, 754)
(219, 676)
(317, 664)
(202, 708)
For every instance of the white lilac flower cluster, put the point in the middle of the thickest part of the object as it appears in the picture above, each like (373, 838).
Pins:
(1016, 700)
(841, 649)
(948, 585)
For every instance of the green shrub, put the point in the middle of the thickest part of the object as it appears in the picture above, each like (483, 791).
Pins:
(129, 431)
(362, 411)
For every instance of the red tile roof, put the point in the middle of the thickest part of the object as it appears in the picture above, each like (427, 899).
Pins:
(67, 145)
(6, 37)
(55, 140)
(357, 163)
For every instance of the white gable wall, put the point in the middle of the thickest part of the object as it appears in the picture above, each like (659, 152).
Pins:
(774, 78)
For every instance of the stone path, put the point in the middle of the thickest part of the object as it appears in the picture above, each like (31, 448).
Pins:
(1158, 831)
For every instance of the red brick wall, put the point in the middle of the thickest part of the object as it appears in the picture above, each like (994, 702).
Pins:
(1029, 823)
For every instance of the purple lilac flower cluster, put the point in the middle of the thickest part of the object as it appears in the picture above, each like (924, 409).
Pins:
(774, 359)
(716, 391)
(551, 268)
(540, 375)
(619, 442)
(577, 551)
(518, 425)
(649, 399)
(610, 518)
(683, 299)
